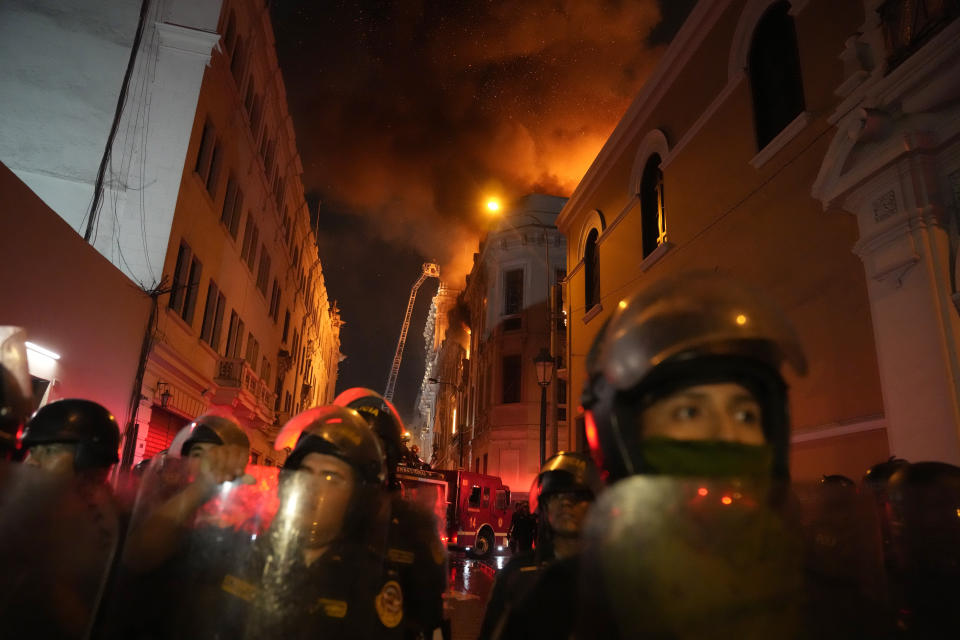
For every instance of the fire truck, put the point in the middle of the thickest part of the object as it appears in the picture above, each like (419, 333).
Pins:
(478, 511)
(429, 490)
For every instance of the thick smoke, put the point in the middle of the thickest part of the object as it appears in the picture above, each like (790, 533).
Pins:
(411, 112)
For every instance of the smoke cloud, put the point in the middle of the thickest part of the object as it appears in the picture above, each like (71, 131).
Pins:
(410, 113)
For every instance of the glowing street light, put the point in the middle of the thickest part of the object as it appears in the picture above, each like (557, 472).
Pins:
(493, 205)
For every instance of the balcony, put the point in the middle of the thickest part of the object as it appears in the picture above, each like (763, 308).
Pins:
(909, 24)
(239, 386)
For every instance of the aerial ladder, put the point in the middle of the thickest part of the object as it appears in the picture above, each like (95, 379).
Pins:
(430, 270)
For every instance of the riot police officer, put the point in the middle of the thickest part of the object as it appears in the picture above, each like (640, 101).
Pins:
(15, 391)
(561, 494)
(72, 437)
(414, 545)
(62, 526)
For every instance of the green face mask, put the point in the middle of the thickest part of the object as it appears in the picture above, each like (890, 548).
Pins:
(705, 458)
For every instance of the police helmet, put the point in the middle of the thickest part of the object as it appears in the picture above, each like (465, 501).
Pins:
(336, 431)
(697, 328)
(382, 417)
(565, 472)
(211, 428)
(83, 423)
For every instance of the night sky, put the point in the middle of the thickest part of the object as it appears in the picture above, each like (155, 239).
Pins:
(408, 114)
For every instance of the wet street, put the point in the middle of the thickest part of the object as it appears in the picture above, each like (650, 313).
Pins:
(470, 582)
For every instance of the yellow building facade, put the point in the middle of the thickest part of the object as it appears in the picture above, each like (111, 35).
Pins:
(693, 178)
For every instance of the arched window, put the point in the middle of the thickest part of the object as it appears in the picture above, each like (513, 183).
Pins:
(774, 69)
(653, 225)
(591, 270)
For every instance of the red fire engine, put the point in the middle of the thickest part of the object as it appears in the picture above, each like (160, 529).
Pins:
(478, 512)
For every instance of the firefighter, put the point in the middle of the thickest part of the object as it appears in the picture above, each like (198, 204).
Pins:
(561, 494)
(414, 545)
(72, 437)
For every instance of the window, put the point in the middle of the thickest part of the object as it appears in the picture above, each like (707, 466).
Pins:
(232, 204)
(486, 497)
(591, 271)
(774, 69)
(248, 97)
(263, 273)
(474, 500)
(501, 498)
(561, 387)
(286, 325)
(205, 155)
(251, 236)
(486, 490)
(238, 61)
(254, 457)
(269, 156)
(653, 226)
(213, 316)
(265, 370)
(275, 301)
(253, 351)
(256, 113)
(511, 379)
(230, 35)
(234, 336)
(281, 187)
(512, 292)
(186, 282)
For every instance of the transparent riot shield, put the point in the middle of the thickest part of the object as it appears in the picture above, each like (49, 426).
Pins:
(58, 538)
(15, 389)
(686, 558)
(415, 549)
(271, 554)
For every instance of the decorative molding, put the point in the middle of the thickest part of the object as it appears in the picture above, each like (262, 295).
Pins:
(827, 431)
(655, 256)
(789, 132)
(185, 40)
(743, 34)
(654, 142)
(595, 220)
(885, 206)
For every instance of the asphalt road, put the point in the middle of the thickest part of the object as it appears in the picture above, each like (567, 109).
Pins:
(470, 582)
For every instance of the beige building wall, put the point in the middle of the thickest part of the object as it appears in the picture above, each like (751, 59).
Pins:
(260, 253)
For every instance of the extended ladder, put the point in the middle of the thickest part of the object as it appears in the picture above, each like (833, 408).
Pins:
(430, 270)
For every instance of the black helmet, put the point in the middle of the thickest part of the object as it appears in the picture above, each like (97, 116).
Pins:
(697, 328)
(382, 417)
(878, 476)
(565, 472)
(335, 431)
(210, 428)
(86, 424)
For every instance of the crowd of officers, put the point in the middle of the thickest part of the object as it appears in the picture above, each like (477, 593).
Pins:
(680, 521)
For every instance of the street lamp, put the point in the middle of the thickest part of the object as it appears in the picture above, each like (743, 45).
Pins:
(544, 363)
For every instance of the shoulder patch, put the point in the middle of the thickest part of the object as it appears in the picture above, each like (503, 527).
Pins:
(438, 552)
(389, 604)
(400, 556)
(240, 588)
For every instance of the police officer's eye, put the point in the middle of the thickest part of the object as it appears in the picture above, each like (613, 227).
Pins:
(747, 416)
(686, 412)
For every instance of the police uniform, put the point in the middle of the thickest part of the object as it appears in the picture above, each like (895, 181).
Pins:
(509, 587)
(416, 554)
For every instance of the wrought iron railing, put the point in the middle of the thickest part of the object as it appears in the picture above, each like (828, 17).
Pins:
(236, 373)
(909, 24)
